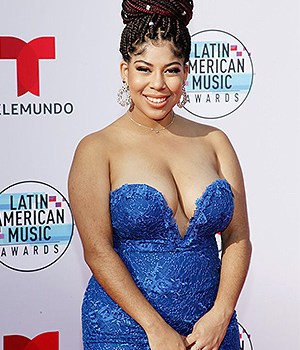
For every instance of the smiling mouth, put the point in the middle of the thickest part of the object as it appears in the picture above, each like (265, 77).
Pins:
(156, 100)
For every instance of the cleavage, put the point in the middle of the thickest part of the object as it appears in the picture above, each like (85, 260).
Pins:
(181, 220)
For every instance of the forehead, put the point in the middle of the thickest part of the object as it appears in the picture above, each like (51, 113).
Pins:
(159, 52)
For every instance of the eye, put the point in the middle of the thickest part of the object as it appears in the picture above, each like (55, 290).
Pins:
(173, 70)
(143, 69)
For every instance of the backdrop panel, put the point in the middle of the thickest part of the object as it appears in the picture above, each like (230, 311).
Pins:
(66, 87)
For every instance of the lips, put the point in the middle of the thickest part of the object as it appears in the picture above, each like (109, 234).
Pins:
(156, 99)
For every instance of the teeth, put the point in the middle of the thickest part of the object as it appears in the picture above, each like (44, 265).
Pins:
(156, 100)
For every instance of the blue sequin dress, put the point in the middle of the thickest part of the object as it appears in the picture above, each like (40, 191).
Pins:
(179, 276)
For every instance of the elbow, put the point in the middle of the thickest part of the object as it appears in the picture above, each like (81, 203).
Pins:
(96, 258)
(237, 239)
(249, 247)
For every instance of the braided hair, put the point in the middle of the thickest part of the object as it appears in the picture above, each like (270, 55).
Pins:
(155, 20)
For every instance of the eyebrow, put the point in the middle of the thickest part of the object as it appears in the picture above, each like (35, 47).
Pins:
(151, 65)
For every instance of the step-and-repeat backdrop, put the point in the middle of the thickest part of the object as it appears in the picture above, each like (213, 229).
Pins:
(59, 76)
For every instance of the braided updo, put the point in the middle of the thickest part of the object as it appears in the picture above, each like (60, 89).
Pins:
(154, 20)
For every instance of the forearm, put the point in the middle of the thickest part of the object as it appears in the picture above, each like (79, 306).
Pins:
(112, 274)
(235, 263)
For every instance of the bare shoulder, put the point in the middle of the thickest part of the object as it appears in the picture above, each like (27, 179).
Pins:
(227, 159)
(90, 169)
(219, 140)
(93, 144)
(209, 132)
(97, 145)
(216, 139)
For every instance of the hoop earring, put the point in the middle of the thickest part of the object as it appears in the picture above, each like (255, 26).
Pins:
(183, 99)
(124, 98)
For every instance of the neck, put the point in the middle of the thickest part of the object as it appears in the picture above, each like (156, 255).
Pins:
(152, 123)
(156, 130)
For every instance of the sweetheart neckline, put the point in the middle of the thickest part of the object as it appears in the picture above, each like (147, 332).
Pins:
(196, 203)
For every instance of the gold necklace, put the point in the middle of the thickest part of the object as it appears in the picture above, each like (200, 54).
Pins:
(157, 131)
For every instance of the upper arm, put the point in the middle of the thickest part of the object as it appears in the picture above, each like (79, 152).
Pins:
(89, 188)
(230, 169)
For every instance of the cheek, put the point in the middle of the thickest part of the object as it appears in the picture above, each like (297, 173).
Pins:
(176, 87)
(136, 81)
(136, 84)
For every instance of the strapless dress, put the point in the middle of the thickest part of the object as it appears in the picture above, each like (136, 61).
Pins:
(178, 275)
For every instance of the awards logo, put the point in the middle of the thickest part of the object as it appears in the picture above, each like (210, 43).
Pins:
(220, 74)
(245, 339)
(36, 226)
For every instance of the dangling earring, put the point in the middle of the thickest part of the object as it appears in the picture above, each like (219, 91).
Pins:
(124, 97)
(183, 99)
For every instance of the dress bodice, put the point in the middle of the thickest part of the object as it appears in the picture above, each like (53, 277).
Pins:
(140, 214)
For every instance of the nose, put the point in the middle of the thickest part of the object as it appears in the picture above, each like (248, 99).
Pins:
(157, 81)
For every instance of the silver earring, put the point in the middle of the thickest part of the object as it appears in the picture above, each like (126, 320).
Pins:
(124, 97)
(183, 99)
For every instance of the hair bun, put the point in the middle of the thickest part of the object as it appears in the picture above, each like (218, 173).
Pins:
(181, 10)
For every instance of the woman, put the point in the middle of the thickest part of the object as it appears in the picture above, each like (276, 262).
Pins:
(149, 192)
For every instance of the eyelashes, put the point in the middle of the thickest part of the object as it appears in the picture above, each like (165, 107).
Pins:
(148, 70)
(143, 69)
(173, 70)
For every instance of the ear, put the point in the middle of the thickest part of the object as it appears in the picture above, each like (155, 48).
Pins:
(124, 71)
(186, 71)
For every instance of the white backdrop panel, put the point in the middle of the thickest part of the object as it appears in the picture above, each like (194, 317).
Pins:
(264, 132)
